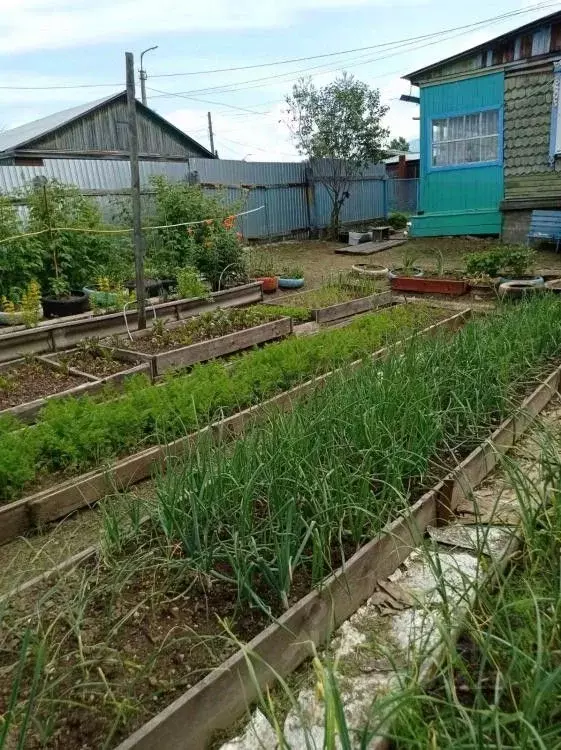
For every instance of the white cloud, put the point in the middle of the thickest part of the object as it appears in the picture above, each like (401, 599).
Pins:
(50, 24)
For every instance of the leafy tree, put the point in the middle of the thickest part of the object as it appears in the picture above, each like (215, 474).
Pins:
(341, 122)
(398, 144)
(21, 260)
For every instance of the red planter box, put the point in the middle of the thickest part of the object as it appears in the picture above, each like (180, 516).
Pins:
(422, 285)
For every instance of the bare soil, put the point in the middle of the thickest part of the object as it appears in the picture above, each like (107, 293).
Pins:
(29, 381)
(95, 364)
(319, 260)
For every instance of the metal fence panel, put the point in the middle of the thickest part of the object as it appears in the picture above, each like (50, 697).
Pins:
(403, 195)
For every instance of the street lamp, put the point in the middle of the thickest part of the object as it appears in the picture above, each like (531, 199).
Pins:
(143, 75)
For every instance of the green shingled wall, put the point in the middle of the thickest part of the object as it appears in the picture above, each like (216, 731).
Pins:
(527, 122)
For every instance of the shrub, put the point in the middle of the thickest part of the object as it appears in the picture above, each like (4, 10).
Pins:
(69, 257)
(483, 264)
(513, 260)
(189, 283)
(398, 220)
(21, 260)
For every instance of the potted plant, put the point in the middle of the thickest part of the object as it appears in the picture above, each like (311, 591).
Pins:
(27, 311)
(291, 277)
(408, 268)
(262, 269)
(190, 284)
(62, 301)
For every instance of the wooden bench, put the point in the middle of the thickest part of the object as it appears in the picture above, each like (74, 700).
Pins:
(545, 225)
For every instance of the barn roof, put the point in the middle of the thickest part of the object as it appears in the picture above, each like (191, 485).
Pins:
(23, 135)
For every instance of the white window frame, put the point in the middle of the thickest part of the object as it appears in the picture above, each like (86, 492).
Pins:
(480, 136)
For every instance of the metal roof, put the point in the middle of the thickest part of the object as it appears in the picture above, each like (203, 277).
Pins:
(480, 47)
(31, 131)
(15, 137)
(409, 156)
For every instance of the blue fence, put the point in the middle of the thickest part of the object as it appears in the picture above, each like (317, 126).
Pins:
(294, 200)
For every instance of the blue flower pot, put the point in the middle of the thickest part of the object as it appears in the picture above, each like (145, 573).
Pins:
(290, 283)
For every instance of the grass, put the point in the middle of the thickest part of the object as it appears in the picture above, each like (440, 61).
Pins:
(75, 435)
(243, 529)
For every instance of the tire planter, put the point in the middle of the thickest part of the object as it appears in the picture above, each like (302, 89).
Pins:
(364, 269)
(103, 299)
(77, 303)
(16, 318)
(520, 288)
(152, 287)
(269, 284)
(395, 273)
(452, 287)
(290, 283)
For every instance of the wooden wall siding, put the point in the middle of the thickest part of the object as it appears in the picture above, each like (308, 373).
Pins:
(527, 123)
(458, 200)
(542, 41)
(105, 129)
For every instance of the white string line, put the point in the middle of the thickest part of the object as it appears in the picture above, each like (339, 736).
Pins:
(126, 231)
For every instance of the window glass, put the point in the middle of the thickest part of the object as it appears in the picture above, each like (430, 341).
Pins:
(466, 139)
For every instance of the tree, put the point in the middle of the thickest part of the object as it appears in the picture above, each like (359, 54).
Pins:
(398, 144)
(341, 122)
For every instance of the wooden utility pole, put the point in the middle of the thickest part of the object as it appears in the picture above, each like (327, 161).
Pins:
(211, 134)
(138, 241)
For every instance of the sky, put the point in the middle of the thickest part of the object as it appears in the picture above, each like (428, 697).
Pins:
(80, 45)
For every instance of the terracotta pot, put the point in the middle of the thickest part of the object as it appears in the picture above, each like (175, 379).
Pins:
(453, 287)
(269, 283)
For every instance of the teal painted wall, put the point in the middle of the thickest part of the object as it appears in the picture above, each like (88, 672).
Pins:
(464, 199)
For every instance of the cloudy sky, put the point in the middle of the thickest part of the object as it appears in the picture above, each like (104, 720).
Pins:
(79, 45)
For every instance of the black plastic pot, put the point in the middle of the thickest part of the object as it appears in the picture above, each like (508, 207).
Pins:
(153, 287)
(61, 307)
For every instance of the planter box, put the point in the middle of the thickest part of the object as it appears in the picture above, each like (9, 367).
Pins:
(28, 412)
(55, 336)
(423, 285)
(353, 307)
(60, 500)
(204, 350)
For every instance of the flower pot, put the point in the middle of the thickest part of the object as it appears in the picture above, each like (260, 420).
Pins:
(366, 269)
(75, 304)
(290, 283)
(269, 283)
(528, 280)
(453, 287)
(409, 272)
(103, 299)
(518, 288)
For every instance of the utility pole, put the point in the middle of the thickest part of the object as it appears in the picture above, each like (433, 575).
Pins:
(138, 242)
(211, 134)
(143, 75)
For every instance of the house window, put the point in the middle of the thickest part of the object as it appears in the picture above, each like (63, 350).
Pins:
(467, 139)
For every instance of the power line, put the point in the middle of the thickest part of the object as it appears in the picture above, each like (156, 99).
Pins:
(394, 43)
(205, 101)
(503, 16)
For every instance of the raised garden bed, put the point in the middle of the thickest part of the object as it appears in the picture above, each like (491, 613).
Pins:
(148, 618)
(28, 384)
(56, 336)
(252, 378)
(336, 302)
(430, 285)
(25, 380)
(211, 335)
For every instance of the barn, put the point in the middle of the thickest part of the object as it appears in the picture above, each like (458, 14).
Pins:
(97, 130)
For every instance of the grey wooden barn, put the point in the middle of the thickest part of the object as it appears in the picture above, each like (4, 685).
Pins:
(97, 130)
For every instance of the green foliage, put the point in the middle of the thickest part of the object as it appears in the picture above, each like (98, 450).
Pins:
(398, 144)
(398, 220)
(513, 260)
(298, 491)
(78, 434)
(341, 122)
(292, 272)
(70, 259)
(213, 247)
(189, 283)
(21, 260)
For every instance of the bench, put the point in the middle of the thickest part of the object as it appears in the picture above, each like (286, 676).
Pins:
(546, 225)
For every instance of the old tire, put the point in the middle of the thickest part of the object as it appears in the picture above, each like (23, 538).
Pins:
(364, 269)
(520, 288)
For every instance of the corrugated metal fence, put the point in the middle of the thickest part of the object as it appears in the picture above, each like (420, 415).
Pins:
(293, 200)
